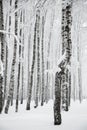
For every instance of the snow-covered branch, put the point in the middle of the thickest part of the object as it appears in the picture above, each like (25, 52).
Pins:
(13, 10)
(62, 58)
(9, 33)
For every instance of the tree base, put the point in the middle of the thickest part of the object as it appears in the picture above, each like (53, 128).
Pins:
(36, 106)
(21, 102)
(42, 103)
(57, 119)
(28, 107)
(57, 123)
(6, 111)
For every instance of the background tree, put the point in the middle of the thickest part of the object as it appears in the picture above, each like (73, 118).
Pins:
(38, 56)
(11, 85)
(32, 68)
(1, 57)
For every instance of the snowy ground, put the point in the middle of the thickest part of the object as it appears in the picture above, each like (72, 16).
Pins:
(42, 118)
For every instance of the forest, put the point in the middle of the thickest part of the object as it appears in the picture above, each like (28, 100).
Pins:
(43, 52)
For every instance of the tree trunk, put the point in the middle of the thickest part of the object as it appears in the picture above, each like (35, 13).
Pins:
(48, 62)
(18, 84)
(22, 56)
(22, 89)
(29, 40)
(42, 50)
(69, 88)
(5, 73)
(1, 57)
(57, 101)
(19, 68)
(6, 61)
(66, 46)
(32, 68)
(38, 57)
(11, 85)
(61, 78)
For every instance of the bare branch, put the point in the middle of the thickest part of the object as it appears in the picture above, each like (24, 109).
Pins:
(9, 33)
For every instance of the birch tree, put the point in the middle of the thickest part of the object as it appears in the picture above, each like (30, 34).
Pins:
(22, 20)
(42, 50)
(48, 55)
(6, 61)
(32, 67)
(38, 57)
(11, 85)
(57, 100)
(1, 56)
(61, 79)
(66, 46)
(19, 72)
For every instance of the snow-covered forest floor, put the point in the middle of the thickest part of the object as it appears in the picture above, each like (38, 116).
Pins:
(42, 118)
